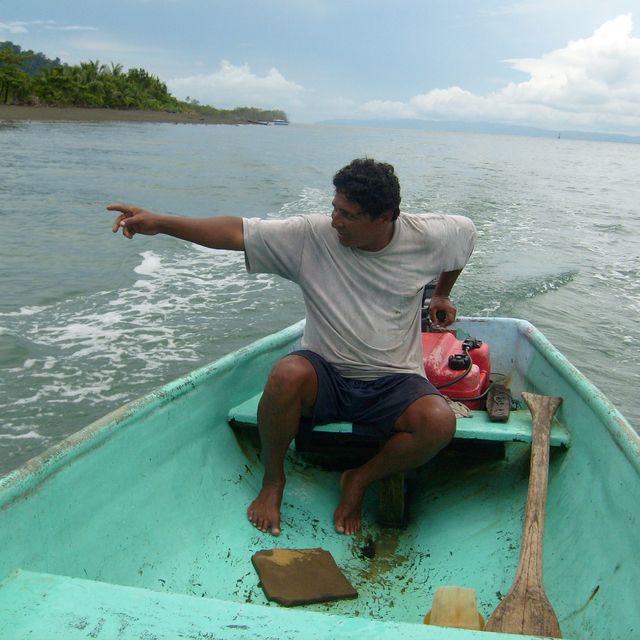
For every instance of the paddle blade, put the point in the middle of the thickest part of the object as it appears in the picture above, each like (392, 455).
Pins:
(542, 407)
(529, 614)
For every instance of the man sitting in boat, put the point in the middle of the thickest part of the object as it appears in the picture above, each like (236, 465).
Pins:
(362, 271)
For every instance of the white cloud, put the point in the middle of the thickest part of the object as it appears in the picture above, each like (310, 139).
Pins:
(69, 28)
(13, 27)
(49, 25)
(388, 108)
(592, 83)
(238, 86)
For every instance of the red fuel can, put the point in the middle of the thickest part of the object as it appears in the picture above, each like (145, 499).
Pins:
(445, 366)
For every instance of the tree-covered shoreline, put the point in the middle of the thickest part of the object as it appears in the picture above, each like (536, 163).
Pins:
(31, 79)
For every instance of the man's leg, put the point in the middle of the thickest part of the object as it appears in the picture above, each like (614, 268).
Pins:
(423, 429)
(290, 393)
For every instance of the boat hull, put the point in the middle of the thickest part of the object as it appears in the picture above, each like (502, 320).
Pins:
(151, 501)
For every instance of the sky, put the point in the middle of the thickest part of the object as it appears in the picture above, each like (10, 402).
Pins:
(555, 64)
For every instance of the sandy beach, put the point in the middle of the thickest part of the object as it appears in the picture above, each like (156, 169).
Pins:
(78, 114)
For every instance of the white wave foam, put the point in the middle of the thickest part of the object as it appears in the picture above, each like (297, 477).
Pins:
(34, 435)
(309, 201)
(150, 265)
(96, 352)
(24, 311)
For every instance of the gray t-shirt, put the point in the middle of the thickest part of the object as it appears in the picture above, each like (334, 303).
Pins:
(362, 307)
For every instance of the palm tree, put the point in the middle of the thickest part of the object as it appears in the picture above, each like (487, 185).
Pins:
(14, 82)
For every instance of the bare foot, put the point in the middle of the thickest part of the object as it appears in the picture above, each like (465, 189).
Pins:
(348, 514)
(264, 511)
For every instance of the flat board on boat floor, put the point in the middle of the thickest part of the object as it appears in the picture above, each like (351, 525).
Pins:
(301, 576)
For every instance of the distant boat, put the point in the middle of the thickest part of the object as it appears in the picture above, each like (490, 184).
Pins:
(263, 122)
(280, 122)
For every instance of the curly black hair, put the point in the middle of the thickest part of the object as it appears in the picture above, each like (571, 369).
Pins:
(373, 185)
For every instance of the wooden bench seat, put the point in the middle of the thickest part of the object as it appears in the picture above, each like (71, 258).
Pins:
(476, 427)
(339, 437)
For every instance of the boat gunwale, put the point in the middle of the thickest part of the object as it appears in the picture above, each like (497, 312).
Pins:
(623, 434)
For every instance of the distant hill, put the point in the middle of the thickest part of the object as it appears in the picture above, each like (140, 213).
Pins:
(485, 127)
(32, 63)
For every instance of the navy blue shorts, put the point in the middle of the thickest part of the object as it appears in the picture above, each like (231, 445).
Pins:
(373, 406)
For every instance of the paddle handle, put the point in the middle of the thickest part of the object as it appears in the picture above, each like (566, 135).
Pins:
(530, 565)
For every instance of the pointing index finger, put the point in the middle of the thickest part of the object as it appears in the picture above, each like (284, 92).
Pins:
(125, 212)
(124, 208)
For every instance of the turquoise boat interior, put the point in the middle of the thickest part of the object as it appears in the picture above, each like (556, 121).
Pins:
(137, 524)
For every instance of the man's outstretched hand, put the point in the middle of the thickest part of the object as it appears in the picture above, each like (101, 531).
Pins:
(134, 220)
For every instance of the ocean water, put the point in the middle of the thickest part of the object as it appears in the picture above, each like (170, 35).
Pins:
(90, 320)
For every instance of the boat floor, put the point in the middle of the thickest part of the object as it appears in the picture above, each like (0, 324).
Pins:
(194, 577)
(464, 529)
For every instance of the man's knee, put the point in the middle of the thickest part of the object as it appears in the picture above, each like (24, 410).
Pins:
(430, 418)
(293, 376)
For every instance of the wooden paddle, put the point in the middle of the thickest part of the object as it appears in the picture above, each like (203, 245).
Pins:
(526, 609)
